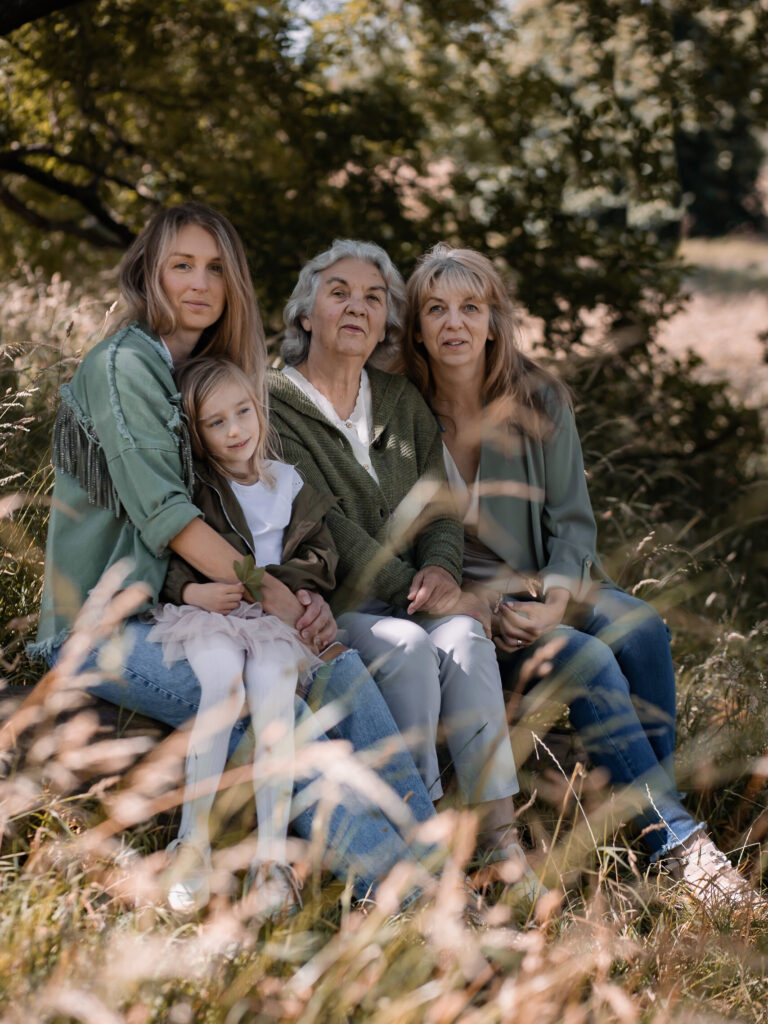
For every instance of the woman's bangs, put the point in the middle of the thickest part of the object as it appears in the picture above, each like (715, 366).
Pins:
(453, 275)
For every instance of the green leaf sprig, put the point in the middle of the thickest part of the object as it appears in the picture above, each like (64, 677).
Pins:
(250, 575)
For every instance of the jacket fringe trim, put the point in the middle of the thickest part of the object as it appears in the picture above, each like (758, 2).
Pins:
(185, 451)
(76, 451)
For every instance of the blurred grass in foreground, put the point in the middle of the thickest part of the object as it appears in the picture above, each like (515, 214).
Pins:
(678, 478)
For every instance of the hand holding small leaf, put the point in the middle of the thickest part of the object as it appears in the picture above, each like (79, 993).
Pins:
(250, 575)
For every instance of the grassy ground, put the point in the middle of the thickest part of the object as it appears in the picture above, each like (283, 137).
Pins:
(85, 934)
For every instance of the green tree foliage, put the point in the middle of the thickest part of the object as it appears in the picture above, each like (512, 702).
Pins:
(550, 133)
(114, 107)
(556, 125)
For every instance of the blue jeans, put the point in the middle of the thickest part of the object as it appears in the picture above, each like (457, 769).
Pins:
(615, 672)
(361, 841)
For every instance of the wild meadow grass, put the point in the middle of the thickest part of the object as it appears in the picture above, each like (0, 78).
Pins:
(678, 480)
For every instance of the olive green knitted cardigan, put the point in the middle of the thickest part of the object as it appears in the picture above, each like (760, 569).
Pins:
(380, 546)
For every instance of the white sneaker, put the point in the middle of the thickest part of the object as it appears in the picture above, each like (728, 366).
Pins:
(273, 889)
(188, 885)
(709, 875)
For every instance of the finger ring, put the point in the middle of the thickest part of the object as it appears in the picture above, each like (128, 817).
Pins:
(519, 643)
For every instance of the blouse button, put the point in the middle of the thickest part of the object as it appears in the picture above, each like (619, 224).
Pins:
(348, 425)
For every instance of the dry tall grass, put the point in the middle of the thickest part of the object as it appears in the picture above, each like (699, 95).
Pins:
(84, 931)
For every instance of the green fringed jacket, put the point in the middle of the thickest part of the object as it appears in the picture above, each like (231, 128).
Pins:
(123, 476)
(379, 550)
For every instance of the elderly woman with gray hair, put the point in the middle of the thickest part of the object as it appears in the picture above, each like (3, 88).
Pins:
(367, 438)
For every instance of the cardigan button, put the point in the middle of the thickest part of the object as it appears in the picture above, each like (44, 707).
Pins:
(383, 513)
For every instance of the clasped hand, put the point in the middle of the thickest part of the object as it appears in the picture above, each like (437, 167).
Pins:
(435, 592)
(306, 611)
(520, 623)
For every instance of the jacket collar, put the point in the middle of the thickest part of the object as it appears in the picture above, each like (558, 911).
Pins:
(155, 341)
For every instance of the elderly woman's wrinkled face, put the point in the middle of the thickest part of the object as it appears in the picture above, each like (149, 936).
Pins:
(349, 317)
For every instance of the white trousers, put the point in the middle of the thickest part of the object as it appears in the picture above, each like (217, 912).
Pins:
(441, 672)
(227, 678)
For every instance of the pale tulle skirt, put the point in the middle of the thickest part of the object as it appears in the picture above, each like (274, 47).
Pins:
(248, 627)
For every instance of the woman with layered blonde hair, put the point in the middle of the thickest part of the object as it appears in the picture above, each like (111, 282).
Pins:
(237, 334)
(514, 462)
(511, 377)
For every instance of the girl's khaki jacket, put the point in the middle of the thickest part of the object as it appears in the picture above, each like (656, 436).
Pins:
(308, 557)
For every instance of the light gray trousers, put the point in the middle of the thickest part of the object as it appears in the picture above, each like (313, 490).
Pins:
(440, 672)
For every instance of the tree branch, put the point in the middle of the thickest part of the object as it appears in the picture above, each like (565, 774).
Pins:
(100, 172)
(114, 233)
(97, 237)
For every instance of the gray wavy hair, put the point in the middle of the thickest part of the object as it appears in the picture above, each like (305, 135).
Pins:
(295, 347)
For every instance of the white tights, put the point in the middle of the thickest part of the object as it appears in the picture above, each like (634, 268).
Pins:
(227, 676)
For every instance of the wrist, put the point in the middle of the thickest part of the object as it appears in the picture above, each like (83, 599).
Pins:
(557, 597)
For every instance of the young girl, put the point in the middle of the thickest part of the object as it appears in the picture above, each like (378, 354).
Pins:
(263, 509)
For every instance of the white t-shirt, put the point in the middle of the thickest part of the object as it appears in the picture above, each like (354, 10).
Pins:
(267, 509)
(357, 428)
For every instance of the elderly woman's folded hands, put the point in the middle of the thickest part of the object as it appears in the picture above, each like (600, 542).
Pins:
(435, 592)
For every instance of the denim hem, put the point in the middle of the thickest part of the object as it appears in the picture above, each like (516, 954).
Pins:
(695, 826)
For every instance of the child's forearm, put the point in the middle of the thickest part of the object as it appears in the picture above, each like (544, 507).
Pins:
(213, 597)
(277, 599)
(214, 557)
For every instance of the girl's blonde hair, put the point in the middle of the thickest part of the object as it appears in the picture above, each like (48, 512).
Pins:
(197, 380)
(513, 381)
(238, 334)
